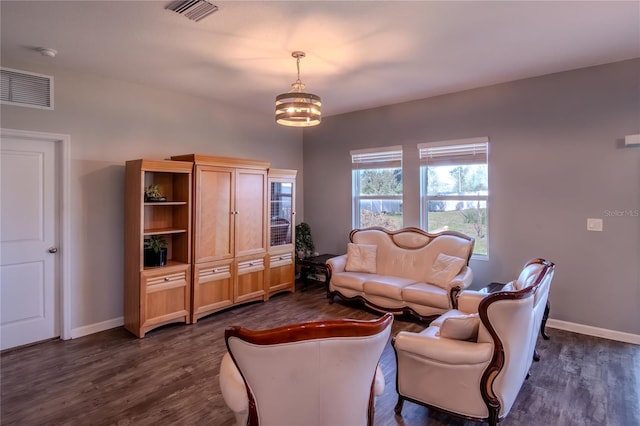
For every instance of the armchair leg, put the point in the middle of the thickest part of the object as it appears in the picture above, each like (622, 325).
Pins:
(399, 404)
(493, 416)
(536, 355)
(543, 325)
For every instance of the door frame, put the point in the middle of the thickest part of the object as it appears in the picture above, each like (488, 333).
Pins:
(63, 278)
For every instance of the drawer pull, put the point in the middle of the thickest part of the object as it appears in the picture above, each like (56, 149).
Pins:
(166, 278)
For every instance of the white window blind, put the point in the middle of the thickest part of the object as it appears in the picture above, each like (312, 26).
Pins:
(450, 153)
(377, 158)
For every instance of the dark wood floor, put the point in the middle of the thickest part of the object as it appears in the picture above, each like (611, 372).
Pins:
(171, 376)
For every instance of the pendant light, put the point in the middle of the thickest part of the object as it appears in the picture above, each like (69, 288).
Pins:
(297, 108)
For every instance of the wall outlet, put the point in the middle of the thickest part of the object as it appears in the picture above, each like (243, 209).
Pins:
(594, 224)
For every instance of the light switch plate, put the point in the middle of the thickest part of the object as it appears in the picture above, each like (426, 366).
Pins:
(594, 224)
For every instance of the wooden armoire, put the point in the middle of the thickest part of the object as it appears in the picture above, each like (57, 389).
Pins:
(229, 232)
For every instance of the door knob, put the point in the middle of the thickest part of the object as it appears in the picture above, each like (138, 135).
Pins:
(53, 249)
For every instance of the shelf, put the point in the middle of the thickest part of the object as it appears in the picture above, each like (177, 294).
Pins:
(161, 231)
(167, 265)
(165, 203)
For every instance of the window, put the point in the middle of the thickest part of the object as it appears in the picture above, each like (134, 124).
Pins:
(377, 187)
(454, 188)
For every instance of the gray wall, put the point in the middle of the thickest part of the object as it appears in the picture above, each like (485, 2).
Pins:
(112, 121)
(556, 158)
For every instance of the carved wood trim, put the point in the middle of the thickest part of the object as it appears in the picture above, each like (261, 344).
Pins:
(397, 311)
(310, 331)
(453, 296)
(431, 237)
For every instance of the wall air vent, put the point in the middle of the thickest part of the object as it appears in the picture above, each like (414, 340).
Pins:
(22, 88)
(195, 10)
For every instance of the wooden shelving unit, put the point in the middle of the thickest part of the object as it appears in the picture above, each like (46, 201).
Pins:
(158, 295)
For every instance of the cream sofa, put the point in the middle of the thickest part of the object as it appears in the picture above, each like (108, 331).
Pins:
(472, 361)
(406, 271)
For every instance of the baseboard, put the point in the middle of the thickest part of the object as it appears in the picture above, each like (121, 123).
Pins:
(551, 323)
(97, 327)
(594, 331)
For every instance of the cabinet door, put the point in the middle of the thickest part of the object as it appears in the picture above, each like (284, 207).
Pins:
(166, 296)
(214, 213)
(281, 272)
(250, 279)
(212, 288)
(281, 211)
(251, 207)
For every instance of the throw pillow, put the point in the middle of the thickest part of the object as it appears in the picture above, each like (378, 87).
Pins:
(463, 327)
(361, 258)
(444, 269)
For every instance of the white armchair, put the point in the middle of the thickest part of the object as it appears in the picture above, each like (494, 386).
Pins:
(315, 373)
(471, 362)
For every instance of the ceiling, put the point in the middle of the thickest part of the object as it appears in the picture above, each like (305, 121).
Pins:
(360, 54)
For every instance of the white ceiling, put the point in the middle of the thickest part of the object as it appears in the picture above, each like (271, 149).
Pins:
(360, 54)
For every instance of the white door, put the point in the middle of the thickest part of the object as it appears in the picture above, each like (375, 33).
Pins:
(28, 238)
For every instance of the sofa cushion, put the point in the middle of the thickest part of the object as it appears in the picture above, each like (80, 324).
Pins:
(390, 287)
(352, 280)
(361, 258)
(444, 269)
(427, 295)
(462, 327)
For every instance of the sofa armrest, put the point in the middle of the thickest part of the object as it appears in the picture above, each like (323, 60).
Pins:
(337, 264)
(441, 350)
(469, 300)
(463, 279)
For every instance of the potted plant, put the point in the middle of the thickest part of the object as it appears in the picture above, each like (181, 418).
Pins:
(155, 251)
(152, 194)
(304, 242)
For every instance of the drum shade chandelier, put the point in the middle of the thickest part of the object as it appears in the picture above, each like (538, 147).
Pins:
(297, 108)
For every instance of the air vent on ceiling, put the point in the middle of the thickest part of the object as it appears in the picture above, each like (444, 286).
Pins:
(195, 10)
(27, 89)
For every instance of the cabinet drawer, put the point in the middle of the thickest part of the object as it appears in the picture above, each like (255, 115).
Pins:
(214, 273)
(166, 281)
(278, 260)
(250, 266)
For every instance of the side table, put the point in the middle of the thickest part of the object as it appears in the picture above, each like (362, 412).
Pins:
(495, 287)
(314, 264)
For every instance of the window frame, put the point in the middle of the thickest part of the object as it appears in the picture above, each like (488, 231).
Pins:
(451, 153)
(372, 159)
